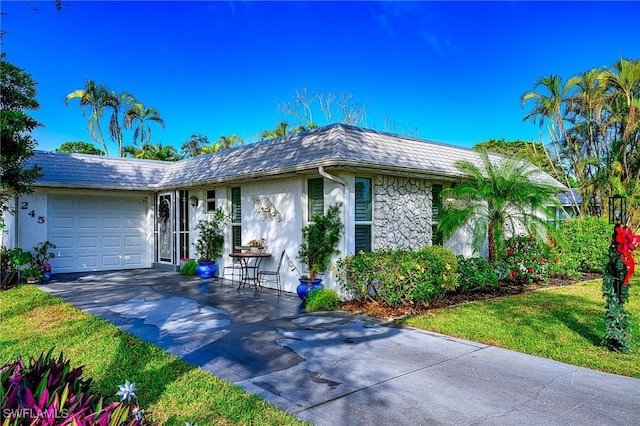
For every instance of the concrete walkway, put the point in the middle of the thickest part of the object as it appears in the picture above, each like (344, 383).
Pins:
(342, 369)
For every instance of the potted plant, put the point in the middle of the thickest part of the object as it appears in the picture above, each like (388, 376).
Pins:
(257, 245)
(32, 274)
(210, 243)
(42, 257)
(11, 262)
(319, 242)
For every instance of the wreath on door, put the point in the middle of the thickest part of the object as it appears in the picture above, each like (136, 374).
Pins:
(163, 214)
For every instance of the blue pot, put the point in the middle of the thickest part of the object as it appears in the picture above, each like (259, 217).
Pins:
(307, 286)
(207, 270)
(46, 276)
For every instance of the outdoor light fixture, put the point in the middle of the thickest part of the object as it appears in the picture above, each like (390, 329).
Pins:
(193, 200)
(617, 209)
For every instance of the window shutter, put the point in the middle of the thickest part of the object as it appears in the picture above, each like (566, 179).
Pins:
(363, 238)
(436, 201)
(363, 199)
(315, 195)
(236, 205)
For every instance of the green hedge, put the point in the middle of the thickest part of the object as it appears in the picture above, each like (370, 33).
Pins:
(586, 241)
(399, 277)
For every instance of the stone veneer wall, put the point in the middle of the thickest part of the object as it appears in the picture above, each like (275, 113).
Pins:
(402, 216)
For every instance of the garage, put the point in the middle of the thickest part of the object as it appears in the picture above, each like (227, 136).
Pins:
(98, 233)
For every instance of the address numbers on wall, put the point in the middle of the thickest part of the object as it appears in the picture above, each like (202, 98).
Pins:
(25, 206)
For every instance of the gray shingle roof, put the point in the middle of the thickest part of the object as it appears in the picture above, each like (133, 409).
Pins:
(95, 171)
(337, 145)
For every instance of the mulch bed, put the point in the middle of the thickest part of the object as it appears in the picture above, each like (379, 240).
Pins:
(506, 288)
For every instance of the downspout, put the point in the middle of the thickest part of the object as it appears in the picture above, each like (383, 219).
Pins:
(341, 181)
(323, 173)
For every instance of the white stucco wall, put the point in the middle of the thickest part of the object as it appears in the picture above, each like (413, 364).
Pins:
(31, 229)
(288, 195)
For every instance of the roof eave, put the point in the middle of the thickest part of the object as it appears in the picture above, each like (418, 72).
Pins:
(95, 187)
(329, 163)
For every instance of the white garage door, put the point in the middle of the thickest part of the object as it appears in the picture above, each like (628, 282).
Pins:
(97, 233)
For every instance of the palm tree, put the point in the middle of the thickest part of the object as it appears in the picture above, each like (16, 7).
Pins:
(499, 195)
(625, 79)
(228, 142)
(138, 117)
(92, 96)
(152, 152)
(225, 142)
(162, 152)
(550, 95)
(278, 132)
(119, 104)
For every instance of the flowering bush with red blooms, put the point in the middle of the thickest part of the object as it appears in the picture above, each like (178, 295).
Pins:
(527, 260)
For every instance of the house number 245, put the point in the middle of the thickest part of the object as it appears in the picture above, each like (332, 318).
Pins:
(32, 213)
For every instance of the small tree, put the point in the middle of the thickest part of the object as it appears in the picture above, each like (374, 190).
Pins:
(79, 147)
(17, 94)
(494, 196)
(320, 240)
(193, 146)
(211, 239)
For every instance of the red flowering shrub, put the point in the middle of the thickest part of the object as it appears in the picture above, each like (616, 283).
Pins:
(527, 260)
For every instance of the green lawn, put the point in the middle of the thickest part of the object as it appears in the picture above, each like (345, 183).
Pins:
(563, 323)
(171, 391)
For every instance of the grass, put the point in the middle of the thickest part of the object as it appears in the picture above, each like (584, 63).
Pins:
(566, 324)
(171, 391)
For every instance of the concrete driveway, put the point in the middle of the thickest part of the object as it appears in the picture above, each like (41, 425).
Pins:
(341, 369)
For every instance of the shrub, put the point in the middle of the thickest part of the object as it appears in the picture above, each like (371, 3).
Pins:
(399, 277)
(189, 268)
(49, 391)
(322, 299)
(527, 260)
(524, 260)
(586, 241)
(562, 266)
(475, 272)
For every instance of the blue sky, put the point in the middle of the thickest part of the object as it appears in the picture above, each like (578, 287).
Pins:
(454, 71)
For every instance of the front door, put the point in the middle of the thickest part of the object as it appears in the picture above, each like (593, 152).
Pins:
(165, 227)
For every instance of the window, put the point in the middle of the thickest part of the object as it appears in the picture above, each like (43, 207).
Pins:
(315, 198)
(436, 205)
(560, 215)
(436, 202)
(211, 201)
(236, 217)
(364, 214)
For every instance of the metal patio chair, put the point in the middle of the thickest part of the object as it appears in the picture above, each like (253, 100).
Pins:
(273, 276)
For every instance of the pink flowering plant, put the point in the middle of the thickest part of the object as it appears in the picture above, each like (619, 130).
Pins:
(42, 255)
(48, 391)
(257, 243)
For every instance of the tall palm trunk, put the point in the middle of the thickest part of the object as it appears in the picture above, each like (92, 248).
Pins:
(493, 249)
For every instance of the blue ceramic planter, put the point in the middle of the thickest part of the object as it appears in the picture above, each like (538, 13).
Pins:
(46, 276)
(307, 286)
(207, 270)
